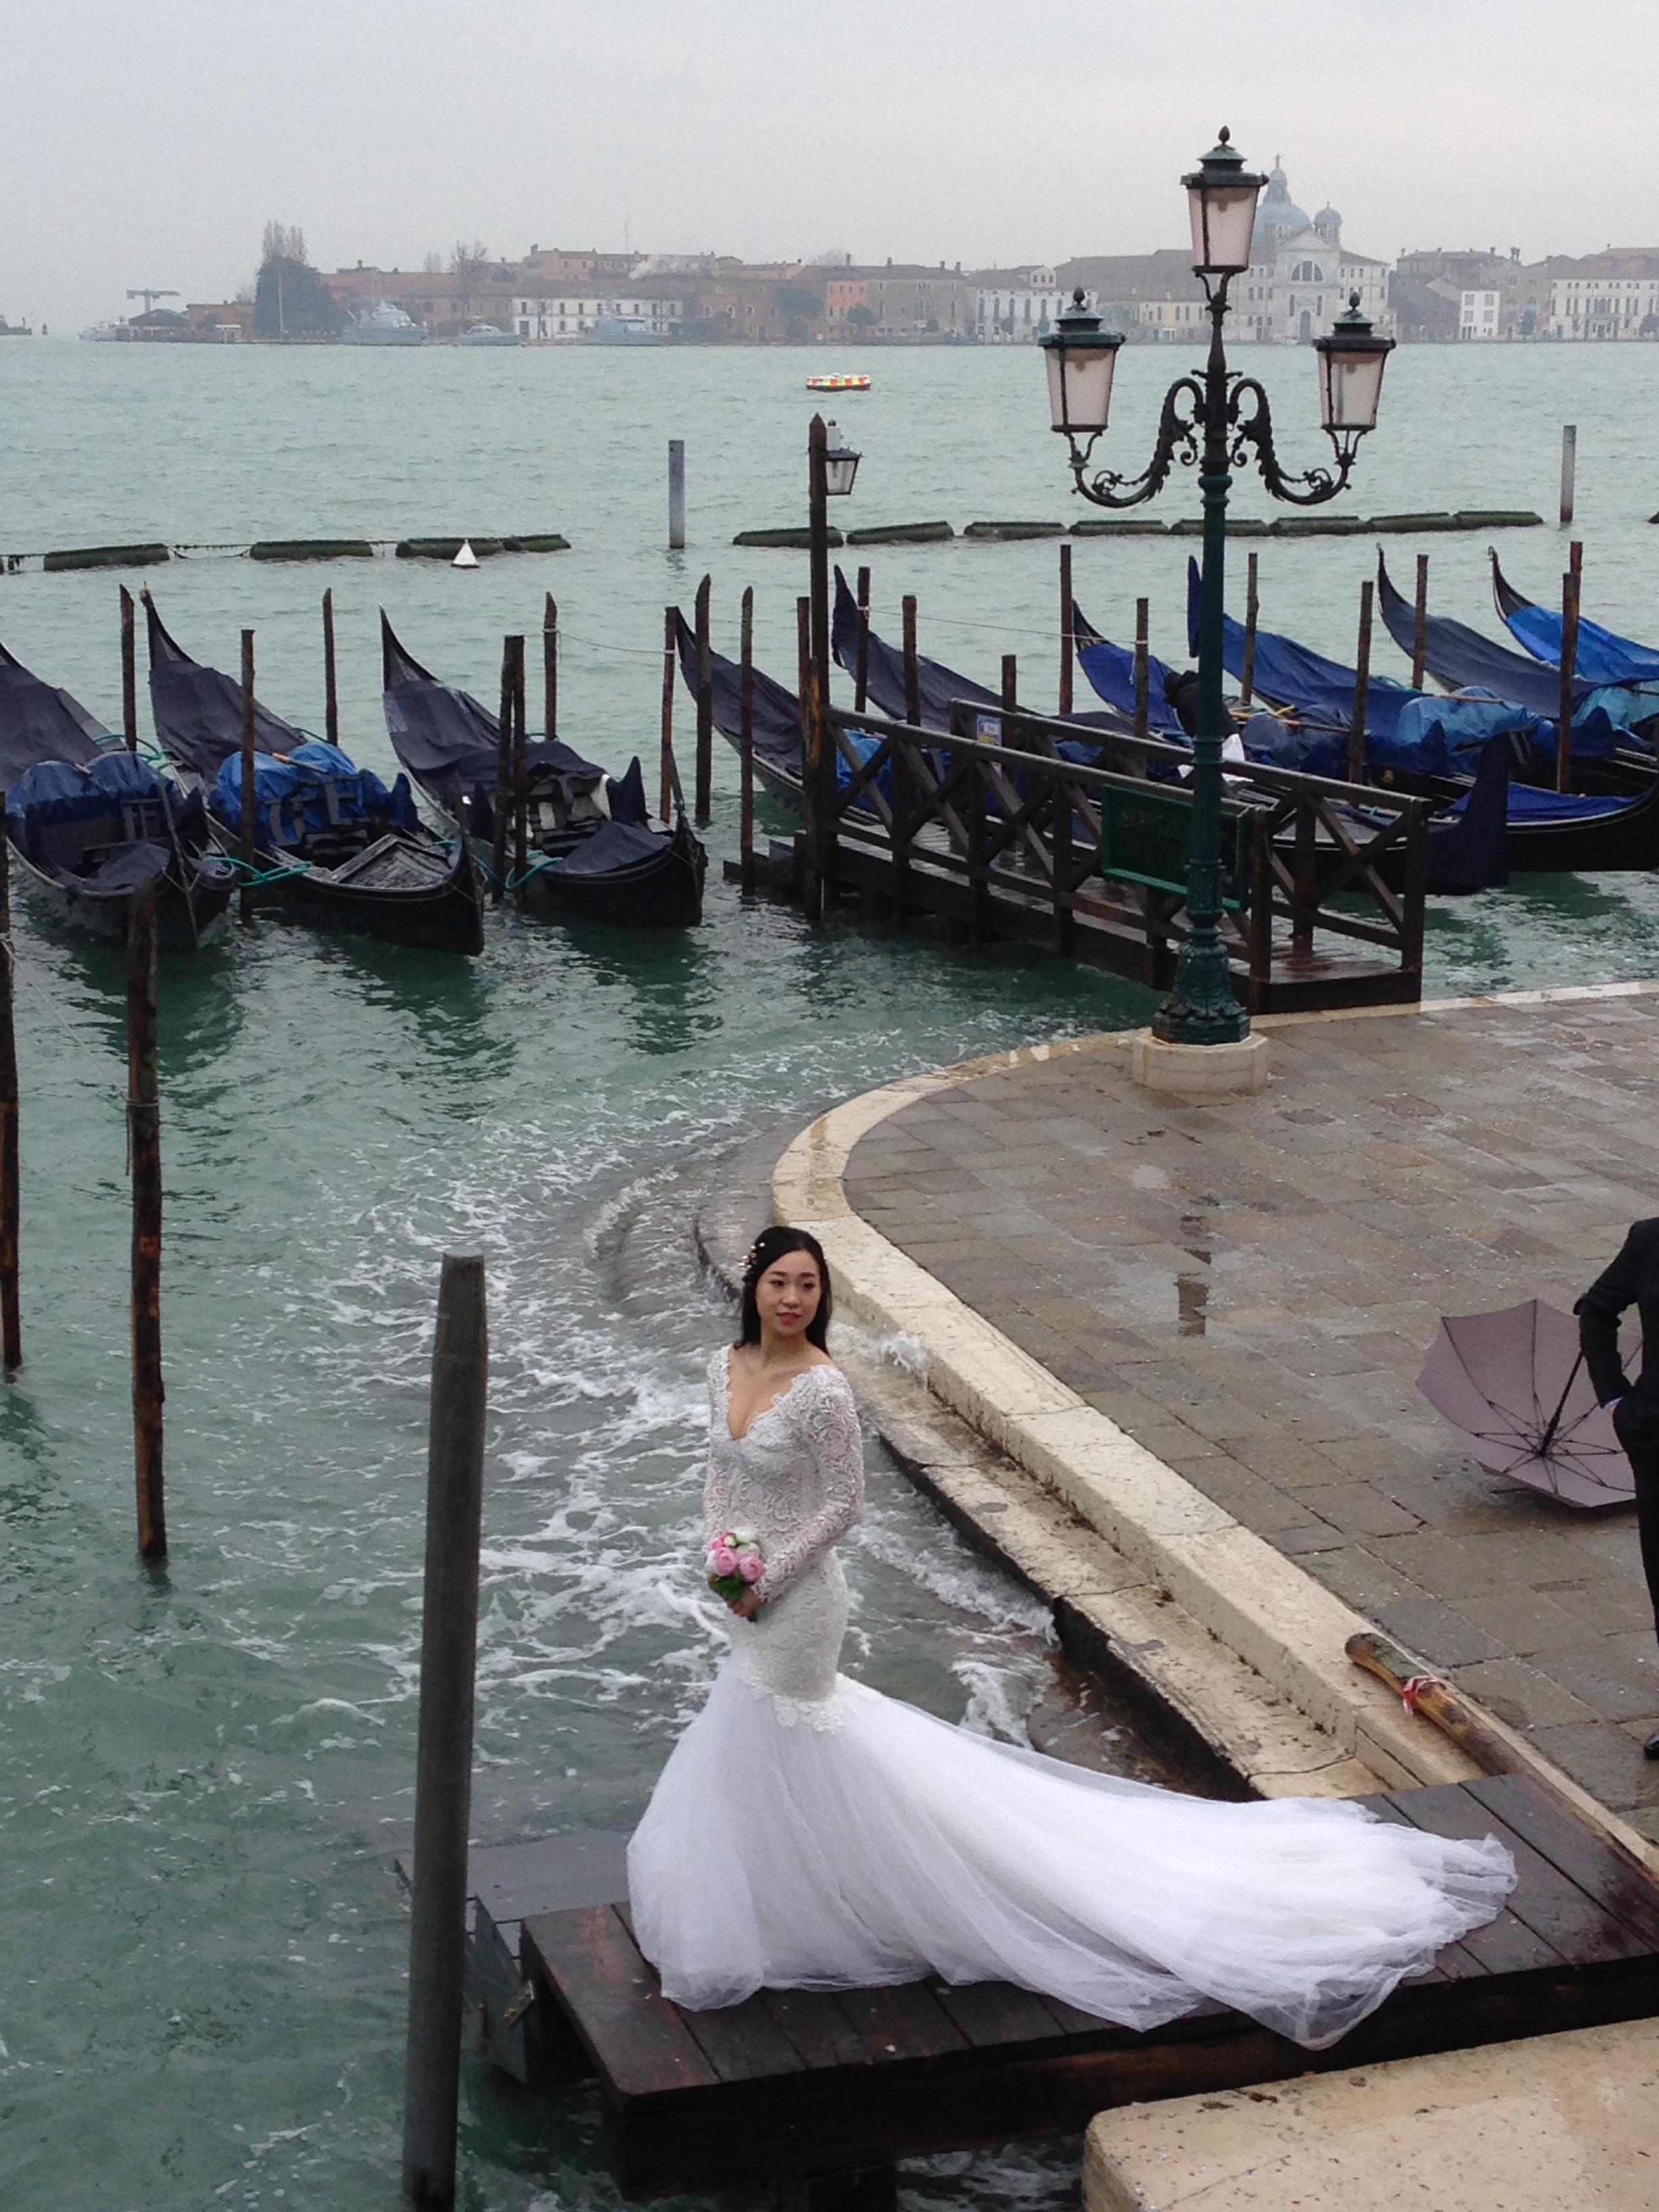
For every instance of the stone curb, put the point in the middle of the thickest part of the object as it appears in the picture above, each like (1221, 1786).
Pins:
(1251, 1597)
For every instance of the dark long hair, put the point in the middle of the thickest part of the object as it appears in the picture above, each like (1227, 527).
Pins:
(768, 1248)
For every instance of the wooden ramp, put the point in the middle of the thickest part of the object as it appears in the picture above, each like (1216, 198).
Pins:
(824, 2092)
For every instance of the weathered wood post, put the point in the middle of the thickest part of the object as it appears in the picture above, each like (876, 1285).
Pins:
(331, 689)
(811, 884)
(676, 494)
(1142, 664)
(1066, 639)
(11, 1330)
(503, 799)
(1252, 608)
(1570, 586)
(245, 912)
(1006, 734)
(705, 786)
(1420, 623)
(1362, 687)
(1569, 469)
(443, 1775)
(670, 625)
(861, 668)
(128, 674)
(520, 779)
(821, 832)
(746, 741)
(144, 1150)
(550, 668)
(902, 780)
(912, 666)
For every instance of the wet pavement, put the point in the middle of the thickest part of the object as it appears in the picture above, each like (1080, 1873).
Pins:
(1249, 1289)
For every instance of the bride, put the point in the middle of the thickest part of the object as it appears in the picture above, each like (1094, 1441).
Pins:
(809, 1833)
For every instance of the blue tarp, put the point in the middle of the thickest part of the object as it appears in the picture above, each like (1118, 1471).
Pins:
(1602, 656)
(1292, 676)
(61, 791)
(1463, 659)
(1111, 670)
(1529, 802)
(292, 797)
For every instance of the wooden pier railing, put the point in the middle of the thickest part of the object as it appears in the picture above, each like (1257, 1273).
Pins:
(990, 828)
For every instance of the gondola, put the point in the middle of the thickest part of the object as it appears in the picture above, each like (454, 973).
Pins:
(91, 825)
(595, 854)
(333, 847)
(1602, 657)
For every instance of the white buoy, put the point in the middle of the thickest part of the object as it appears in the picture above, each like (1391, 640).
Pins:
(467, 558)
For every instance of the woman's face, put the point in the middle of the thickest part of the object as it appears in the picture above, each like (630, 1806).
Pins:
(786, 1295)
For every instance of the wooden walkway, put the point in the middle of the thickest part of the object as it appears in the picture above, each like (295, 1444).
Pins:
(824, 2092)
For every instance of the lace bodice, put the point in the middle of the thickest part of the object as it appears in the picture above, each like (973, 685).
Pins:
(796, 1476)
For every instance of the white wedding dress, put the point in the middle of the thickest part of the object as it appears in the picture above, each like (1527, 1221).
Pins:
(809, 1833)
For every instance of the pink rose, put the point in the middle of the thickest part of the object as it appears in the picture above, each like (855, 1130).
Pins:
(722, 1560)
(751, 1566)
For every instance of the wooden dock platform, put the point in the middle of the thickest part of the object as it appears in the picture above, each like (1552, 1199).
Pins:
(824, 2092)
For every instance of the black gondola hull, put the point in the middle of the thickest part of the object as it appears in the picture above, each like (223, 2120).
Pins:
(662, 892)
(446, 916)
(181, 923)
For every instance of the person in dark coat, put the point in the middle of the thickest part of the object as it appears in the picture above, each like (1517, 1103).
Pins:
(1632, 1281)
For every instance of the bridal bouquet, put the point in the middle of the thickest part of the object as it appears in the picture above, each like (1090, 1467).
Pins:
(734, 1563)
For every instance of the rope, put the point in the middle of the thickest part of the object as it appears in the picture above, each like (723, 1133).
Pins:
(256, 877)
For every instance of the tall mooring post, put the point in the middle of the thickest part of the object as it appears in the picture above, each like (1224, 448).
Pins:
(1067, 621)
(704, 798)
(129, 675)
(443, 1778)
(330, 684)
(676, 494)
(145, 1153)
(245, 912)
(503, 799)
(1420, 622)
(1572, 582)
(11, 1328)
(1569, 469)
(746, 740)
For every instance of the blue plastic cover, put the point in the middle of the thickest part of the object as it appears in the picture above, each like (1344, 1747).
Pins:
(613, 847)
(291, 797)
(1111, 671)
(1602, 656)
(63, 791)
(1529, 802)
(1464, 659)
(1291, 675)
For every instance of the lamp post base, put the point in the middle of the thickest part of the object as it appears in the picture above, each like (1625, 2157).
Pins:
(1198, 1071)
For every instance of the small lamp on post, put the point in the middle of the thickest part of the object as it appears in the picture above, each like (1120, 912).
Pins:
(1081, 357)
(1221, 197)
(1352, 359)
(831, 468)
(840, 464)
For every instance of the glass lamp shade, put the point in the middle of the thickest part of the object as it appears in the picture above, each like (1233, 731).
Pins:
(1081, 357)
(1352, 359)
(1221, 197)
(841, 464)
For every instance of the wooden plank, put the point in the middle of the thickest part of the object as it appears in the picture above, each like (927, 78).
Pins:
(612, 2000)
(743, 2043)
(904, 2021)
(820, 2030)
(989, 2013)
(1594, 1862)
(1548, 1904)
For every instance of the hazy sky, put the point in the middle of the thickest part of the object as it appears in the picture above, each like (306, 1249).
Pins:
(150, 144)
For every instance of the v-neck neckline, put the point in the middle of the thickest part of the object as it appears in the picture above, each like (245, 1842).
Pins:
(771, 1405)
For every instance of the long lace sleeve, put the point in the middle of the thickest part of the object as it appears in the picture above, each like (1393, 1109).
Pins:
(826, 1422)
(716, 1503)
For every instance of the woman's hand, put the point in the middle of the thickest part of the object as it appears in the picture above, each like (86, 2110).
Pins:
(747, 1606)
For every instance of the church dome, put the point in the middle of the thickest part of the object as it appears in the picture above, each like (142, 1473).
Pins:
(1278, 216)
(1328, 222)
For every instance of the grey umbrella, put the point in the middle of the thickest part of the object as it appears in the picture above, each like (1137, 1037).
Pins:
(1513, 1385)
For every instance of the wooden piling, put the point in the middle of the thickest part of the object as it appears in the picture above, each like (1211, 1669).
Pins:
(443, 1779)
(676, 494)
(902, 781)
(670, 647)
(1143, 663)
(1420, 623)
(1007, 732)
(1571, 582)
(1569, 470)
(331, 689)
(812, 883)
(1362, 687)
(128, 674)
(705, 764)
(144, 1152)
(520, 777)
(862, 667)
(1067, 638)
(746, 740)
(912, 665)
(11, 1331)
(249, 803)
(1252, 607)
(550, 667)
(503, 801)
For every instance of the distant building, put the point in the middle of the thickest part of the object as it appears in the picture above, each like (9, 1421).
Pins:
(573, 269)
(228, 321)
(1480, 315)
(546, 316)
(911, 300)
(1613, 294)
(1015, 307)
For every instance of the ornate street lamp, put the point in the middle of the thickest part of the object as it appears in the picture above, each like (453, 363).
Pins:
(1219, 420)
(831, 468)
(840, 464)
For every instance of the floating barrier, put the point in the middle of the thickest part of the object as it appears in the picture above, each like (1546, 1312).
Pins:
(446, 548)
(1384, 524)
(312, 549)
(1119, 526)
(802, 538)
(1010, 530)
(902, 533)
(104, 557)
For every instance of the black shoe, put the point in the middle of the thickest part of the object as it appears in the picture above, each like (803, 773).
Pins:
(1650, 1748)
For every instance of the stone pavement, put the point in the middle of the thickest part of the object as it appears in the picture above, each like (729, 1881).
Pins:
(1249, 1290)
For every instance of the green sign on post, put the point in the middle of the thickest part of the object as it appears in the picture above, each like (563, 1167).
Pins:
(1145, 835)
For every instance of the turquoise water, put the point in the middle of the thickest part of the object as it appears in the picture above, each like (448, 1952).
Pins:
(205, 1770)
